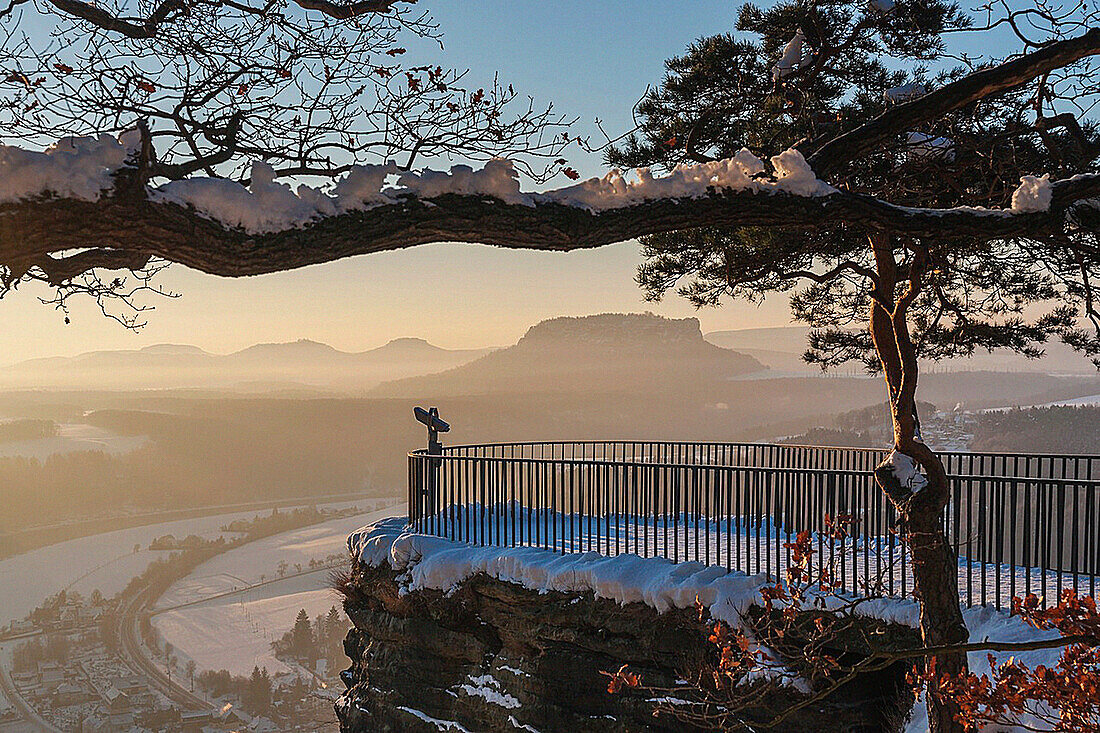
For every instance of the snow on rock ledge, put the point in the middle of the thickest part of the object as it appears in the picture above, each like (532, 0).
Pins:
(439, 564)
(432, 563)
(435, 563)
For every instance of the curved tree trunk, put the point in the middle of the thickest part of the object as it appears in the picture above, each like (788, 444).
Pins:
(935, 573)
(921, 514)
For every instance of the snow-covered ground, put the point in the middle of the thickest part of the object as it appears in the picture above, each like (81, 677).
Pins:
(104, 561)
(1088, 400)
(740, 543)
(73, 437)
(234, 630)
(985, 624)
(435, 563)
(1091, 400)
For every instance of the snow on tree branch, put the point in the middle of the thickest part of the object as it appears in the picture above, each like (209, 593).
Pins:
(68, 197)
(77, 195)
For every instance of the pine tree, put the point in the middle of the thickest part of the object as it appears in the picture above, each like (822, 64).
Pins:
(802, 72)
(301, 636)
(256, 697)
(335, 630)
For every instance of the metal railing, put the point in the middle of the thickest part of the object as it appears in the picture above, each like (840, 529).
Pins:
(1022, 523)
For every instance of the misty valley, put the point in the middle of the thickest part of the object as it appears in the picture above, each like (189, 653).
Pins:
(91, 454)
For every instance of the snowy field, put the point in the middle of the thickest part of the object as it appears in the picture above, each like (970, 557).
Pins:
(1086, 401)
(73, 437)
(105, 561)
(234, 631)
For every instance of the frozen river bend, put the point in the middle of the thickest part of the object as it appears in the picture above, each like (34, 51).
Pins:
(226, 613)
(104, 561)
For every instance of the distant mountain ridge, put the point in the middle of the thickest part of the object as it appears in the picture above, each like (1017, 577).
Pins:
(781, 349)
(302, 363)
(610, 352)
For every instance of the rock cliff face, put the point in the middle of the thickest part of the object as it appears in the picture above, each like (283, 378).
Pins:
(493, 656)
(610, 352)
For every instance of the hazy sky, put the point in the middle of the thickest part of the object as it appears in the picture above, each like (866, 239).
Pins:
(591, 59)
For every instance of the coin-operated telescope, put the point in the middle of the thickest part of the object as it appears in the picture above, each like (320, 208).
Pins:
(429, 473)
(430, 419)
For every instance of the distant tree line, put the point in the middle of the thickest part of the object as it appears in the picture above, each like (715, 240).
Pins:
(27, 429)
(865, 427)
(1039, 429)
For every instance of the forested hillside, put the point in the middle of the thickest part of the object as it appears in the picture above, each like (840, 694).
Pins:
(1039, 430)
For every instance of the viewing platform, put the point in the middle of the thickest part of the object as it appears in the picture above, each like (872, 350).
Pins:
(1021, 523)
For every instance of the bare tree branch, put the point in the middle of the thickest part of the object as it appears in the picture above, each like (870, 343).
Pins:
(854, 144)
(169, 231)
(149, 26)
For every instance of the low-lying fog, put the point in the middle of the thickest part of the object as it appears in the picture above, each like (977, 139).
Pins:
(116, 433)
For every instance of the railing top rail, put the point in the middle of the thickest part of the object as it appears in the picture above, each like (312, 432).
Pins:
(566, 461)
(797, 470)
(699, 443)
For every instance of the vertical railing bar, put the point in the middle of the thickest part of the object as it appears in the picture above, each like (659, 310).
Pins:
(1060, 531)
(998, 506)
(1013, 511)
(1045, 530)
(1028, 488)
(1074, 567)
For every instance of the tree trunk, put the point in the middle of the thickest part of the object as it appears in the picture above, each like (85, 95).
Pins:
(935, 578)
(921, 514)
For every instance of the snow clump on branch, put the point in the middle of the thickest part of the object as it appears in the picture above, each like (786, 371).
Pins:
(84, 168)
(1033, 195)
(742, 172)
(73, 167)
(262, 207)
(791, 58)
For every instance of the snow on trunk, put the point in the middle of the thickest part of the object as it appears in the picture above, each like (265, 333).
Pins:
(906, 471)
